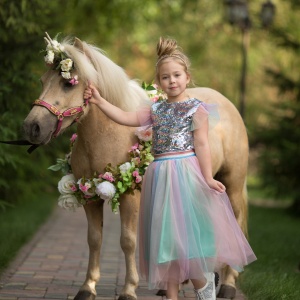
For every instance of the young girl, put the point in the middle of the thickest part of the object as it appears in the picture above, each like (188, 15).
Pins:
(187, 227)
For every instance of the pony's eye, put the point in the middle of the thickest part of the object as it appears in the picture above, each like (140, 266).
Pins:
(67, 84)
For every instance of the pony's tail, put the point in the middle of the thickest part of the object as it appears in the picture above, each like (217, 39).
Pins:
(244, 224)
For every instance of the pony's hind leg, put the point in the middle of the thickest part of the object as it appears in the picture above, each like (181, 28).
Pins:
(94, 214)
(129, 209)
(237, 193)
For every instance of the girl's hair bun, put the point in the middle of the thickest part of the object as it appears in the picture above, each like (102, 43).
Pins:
(166, 47)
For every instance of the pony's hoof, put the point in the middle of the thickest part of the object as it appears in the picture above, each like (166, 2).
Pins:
(161, 293)
(85, 295)
(227, 292)
(126, 297)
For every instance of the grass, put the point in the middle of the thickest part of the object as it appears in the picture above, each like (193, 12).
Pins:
(19, 223)
(275, 238)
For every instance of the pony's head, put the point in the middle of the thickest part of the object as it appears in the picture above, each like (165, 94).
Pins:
(72, 65)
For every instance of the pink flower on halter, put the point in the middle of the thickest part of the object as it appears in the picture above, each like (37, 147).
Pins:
(73, 138)
(74, 80)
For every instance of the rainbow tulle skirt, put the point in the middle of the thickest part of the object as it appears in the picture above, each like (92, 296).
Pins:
(185, 227)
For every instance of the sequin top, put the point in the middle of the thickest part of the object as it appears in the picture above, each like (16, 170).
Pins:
(172, 125)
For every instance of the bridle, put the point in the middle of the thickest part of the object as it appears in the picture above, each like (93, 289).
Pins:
(60, 116)
(69, 112)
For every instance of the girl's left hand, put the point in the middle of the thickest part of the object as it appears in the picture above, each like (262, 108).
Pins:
(216, 185)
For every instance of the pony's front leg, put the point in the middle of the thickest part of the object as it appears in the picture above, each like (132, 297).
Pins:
(94, 214)
(129, 209)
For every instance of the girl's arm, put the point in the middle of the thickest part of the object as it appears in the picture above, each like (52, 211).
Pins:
(202, 150)
(115, 113)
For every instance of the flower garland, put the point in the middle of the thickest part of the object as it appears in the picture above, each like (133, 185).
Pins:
(58, 59)
(114, 181)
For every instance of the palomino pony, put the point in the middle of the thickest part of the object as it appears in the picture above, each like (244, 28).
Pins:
(101, 141)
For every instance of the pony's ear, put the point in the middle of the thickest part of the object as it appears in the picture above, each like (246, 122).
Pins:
(78, 44)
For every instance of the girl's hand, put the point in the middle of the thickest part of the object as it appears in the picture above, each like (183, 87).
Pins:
(216, 185)
(92, 93)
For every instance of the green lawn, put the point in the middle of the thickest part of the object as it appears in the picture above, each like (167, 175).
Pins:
(274, 235)
(19, 223)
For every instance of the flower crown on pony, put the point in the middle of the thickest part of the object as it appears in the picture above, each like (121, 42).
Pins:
(58, 58)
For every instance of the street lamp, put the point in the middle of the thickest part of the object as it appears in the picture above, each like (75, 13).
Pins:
(237, 14)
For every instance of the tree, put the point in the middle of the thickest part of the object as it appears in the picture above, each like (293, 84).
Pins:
(22, 24)
(279, 160)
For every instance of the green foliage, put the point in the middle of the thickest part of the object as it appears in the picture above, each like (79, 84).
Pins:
(18, 224)
(280, 135)
(22, 26)
(274, 275)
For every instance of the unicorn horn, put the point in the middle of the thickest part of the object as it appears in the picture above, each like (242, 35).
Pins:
(48, 39)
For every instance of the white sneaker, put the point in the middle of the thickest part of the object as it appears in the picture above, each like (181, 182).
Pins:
(208, 292)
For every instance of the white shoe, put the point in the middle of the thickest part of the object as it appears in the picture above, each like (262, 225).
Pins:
(208, 292)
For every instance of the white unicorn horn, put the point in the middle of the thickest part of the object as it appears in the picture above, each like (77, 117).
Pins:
(48, 39)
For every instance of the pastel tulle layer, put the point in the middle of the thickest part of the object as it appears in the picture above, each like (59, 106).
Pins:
(186, 228)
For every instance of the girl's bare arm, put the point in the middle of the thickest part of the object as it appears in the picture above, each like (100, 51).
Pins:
(115, 113)
(202, 150)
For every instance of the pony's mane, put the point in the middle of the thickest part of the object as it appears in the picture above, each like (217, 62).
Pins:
(111, 80)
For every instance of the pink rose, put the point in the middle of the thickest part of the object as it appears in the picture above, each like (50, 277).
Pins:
(144, 134)
(134, 147)
(155, 98)
(135, 173)
(138, 179)
(108, 176)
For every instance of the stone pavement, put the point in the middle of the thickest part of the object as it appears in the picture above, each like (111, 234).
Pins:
(53, 264)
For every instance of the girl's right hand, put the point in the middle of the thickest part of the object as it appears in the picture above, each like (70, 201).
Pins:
(92, 94)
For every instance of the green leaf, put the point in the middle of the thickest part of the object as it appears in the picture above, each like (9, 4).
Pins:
(55, 168)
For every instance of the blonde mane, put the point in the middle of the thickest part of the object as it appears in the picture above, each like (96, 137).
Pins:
(109, 78)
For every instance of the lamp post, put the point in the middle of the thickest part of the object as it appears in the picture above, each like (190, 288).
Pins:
(237, 14)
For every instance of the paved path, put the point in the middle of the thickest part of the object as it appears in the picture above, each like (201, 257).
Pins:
(53, 264)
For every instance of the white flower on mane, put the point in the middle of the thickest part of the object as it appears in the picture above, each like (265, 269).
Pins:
(105, 190)
(49, 57)
(55, 46)
(66, 75)
(66, 65)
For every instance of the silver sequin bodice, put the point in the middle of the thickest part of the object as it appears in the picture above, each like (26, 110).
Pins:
(172, 125)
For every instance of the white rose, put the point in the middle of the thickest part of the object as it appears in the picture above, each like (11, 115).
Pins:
(66, 75)
(105, 190)
(67, 184)
(66, 64)
(49, 57)
(68, 202)
(125, 167)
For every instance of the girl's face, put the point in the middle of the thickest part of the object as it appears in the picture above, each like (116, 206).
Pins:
(173, 80)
